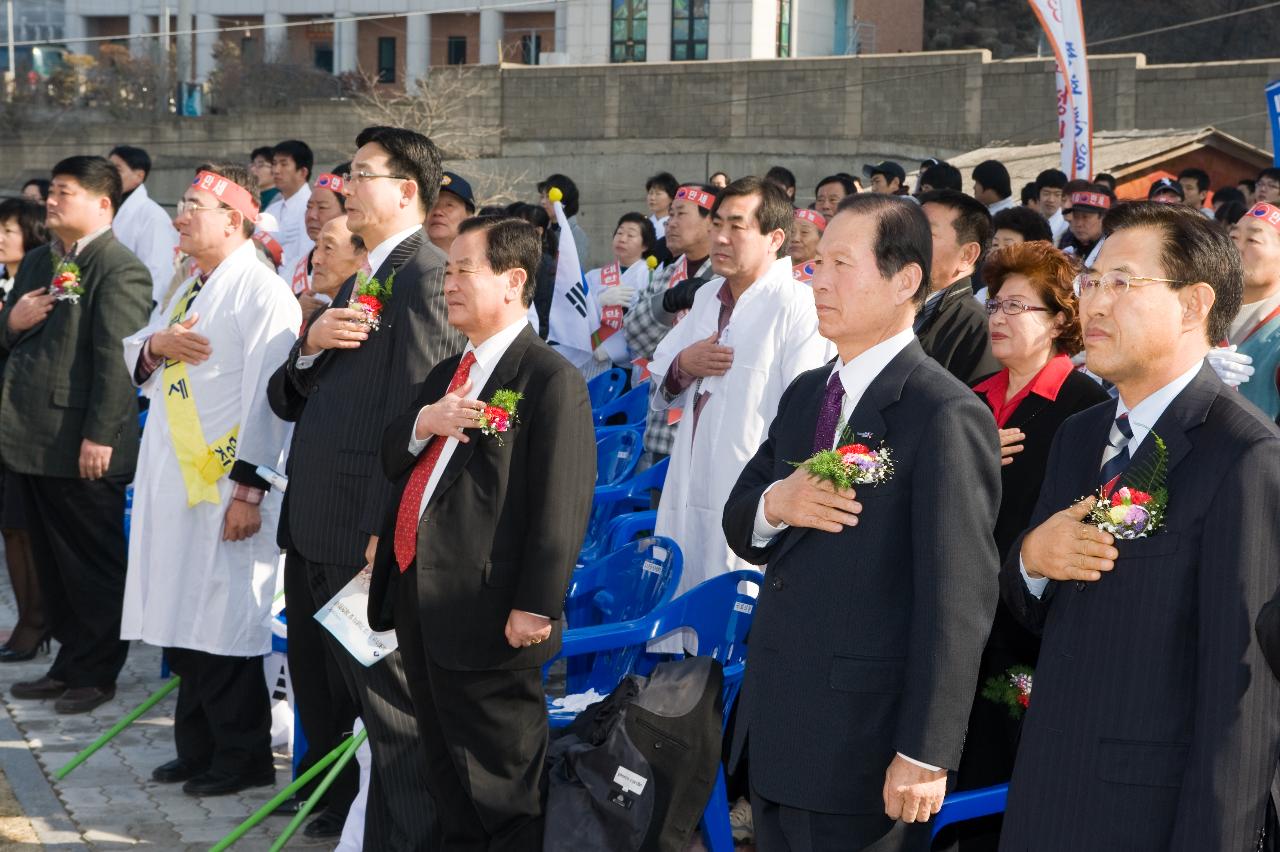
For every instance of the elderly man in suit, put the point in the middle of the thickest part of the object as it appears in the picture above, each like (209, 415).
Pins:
(342, 383)
(1154, 722)
(877, 600)
(474, 564)
(69, 424)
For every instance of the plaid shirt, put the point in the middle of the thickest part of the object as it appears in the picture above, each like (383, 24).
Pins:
(645, 325)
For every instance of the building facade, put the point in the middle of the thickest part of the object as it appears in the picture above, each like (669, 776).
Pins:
(401, 39)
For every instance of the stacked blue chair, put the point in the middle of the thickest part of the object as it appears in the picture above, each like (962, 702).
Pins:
(633, 407)
(618, 452)
(971, 804)
(627, 528)
(606, 387)
(610, 501)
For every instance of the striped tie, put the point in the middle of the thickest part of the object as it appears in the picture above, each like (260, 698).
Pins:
(1116, 456)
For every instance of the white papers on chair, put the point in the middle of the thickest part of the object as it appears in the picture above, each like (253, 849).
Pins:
(346, 617)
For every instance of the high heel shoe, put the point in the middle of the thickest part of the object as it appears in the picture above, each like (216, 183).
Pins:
(14, 655)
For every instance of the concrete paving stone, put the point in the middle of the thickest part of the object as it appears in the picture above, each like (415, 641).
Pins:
(113, 837)
(213, 830)
(130, 796)
(84, 796)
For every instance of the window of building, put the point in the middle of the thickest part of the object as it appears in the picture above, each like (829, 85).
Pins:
(322, 57)
(457, 50)
(689, 29)
(386, 59)
(630, 30)
(784, 28)
(530, 48)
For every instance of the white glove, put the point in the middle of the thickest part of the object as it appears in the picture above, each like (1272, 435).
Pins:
(1231, 366)
(600, 354)
(618, 294)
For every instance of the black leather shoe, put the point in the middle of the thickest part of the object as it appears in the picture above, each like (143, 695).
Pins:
(82, 699)
(216, 783)
(328, 824)
(177, 770)
(44, 687)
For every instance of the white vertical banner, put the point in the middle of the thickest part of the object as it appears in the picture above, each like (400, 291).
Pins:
(574, 315)
(1063, 26)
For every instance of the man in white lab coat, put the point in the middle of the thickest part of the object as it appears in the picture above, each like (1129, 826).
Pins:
(141, 225)
(202, 551)
(725, 367)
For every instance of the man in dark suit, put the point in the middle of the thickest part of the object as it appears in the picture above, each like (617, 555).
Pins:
(877, 600)
(473, 564)
(1154, 723)
(952, 325)
(342, 383)
(69, 424)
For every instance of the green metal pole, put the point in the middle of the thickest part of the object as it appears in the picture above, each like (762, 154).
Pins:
(118, 727)
(264, 811)
(310, 803)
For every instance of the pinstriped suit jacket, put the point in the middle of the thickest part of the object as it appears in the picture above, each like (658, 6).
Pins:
(1154, 721)
(337, 494)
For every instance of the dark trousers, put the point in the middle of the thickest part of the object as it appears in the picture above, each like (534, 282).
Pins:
(223, 717)
(77, 538)
(326, 707)
(782, 828)
(399, 815)
(485, 735)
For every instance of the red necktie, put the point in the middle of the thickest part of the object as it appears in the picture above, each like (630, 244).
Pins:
(406, 540)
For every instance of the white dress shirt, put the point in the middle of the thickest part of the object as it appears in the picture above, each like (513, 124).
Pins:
(1141, 418)
(1058, 224)
(291, 215)
(1003, 204)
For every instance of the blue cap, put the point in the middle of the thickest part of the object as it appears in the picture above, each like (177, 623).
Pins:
(457, 184)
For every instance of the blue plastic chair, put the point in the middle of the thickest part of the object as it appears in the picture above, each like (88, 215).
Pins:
(606, 387)
(633, 406)
(628, 583)
(617, 454)
(720, 614)
(971, 804)
(610, 501)
(627, 528)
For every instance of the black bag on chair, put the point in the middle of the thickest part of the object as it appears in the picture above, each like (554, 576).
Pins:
(633, 772)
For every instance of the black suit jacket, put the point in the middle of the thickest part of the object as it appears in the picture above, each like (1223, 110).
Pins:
(867, 642)
(65, 379)
(1268, 629)
(505, 524)
(337, 495)
(1154, 721)
(956, 335)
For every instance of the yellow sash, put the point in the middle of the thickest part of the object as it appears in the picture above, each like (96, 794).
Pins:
(202, 464)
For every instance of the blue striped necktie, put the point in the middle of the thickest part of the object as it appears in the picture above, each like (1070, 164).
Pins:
(1115, 458)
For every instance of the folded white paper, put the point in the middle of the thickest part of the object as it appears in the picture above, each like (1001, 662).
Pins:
(346, 617)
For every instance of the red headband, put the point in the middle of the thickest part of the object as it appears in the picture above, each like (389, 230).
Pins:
(228, 192)
(1091, 199)
(1267, 213)
(331, 182)
(813, 216)
(700, 197)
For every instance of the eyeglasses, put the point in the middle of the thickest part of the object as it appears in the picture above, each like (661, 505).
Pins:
(365, 177)
(1268, 184)
(1011, 307)
(184, 207)
(1089, 284)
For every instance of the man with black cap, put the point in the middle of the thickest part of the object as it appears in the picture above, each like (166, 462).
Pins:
(887, 178)
(991, 186)
(1166, 191)
(1051, 183)
(454, 204)
(1088, 206)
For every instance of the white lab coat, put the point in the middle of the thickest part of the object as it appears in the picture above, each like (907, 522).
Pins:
(774, 335)
(144, 228)
(186, 587)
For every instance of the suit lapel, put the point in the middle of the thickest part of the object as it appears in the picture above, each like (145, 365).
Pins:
(1187, 411)
(406, 249)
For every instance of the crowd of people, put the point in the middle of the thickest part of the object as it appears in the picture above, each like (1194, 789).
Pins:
(974, 444)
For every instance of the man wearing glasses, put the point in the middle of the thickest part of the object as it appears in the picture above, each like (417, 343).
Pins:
(1154, 722)
(1267, 187)
(342, 383)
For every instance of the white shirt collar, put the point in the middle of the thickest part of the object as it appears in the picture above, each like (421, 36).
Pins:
(491, 351)
(1003, 204)
(1145, 414)
(383, 249)
(80, 244)
(857, 375)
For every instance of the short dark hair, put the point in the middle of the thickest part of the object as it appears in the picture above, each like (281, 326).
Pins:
(242, 177)
(509, 243)
(993, 175)
(1249, 182)
(902, 235)
(1230, 212)
(1200, 176)
(1270, 172)
(973, 220)
(410, 155)
(1106, 178)
(299, 152)
(1025, 221)
(357, 243)
(1227, 193)
(775, 211)
(135, 158)
(41, 185)
(942, 176)
(30, 218)
(95, 174)
(567, 188)
(1193, 250)
(664, 181)
(1030, 192)
(845, 181)
(648, 235)
(263, 151)
(782, 176)
(711, 176)
(1051, 179)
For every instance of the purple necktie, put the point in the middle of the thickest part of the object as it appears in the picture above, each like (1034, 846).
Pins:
(824, 437)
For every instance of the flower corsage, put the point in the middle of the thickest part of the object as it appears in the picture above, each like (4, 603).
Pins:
(499, 413)
(1133, 512)
(1012, 689)
(66, 286)
(850, 465)
(371, 296)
